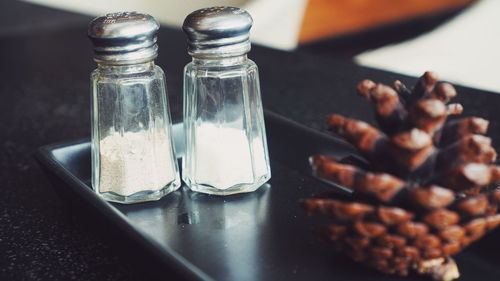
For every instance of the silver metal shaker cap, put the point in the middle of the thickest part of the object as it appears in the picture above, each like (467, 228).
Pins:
(124, 38)
(218, 31)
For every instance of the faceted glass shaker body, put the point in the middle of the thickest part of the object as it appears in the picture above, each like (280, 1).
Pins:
(133, 158)
(226, 149)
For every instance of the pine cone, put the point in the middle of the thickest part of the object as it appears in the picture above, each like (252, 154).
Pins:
(424, 190)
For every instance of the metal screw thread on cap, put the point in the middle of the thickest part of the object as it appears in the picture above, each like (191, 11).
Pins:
(218, 32)
(124, 38)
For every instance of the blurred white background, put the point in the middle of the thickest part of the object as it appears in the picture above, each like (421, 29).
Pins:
(276, 22)
(466, 50)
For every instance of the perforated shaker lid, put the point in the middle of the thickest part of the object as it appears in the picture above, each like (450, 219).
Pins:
(218, 31)
(124, 38)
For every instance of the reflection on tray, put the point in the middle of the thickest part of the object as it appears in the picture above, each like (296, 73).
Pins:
(206, 222)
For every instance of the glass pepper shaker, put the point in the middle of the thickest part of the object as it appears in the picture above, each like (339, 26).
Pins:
(133, 158)
(226, 149)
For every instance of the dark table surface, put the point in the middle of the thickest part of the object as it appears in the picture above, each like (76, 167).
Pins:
(45, 61)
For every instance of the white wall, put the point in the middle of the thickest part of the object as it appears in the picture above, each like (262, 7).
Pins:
(466, 50)
(276, 22)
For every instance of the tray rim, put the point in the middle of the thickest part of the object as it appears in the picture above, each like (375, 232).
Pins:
(115, 217)
(166, 254)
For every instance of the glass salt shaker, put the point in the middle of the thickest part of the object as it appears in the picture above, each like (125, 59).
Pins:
(133, 158)
(226, 149)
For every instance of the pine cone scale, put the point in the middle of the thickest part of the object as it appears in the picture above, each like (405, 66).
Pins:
(426, 193)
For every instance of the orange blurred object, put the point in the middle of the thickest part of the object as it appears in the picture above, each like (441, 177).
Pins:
(327, 18)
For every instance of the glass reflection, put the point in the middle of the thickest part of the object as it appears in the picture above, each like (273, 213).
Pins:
(220, 235)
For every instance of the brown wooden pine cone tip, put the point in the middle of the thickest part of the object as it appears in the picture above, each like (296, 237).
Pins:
(427, 190)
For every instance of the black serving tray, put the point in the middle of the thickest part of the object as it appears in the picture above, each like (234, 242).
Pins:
(263, 235)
